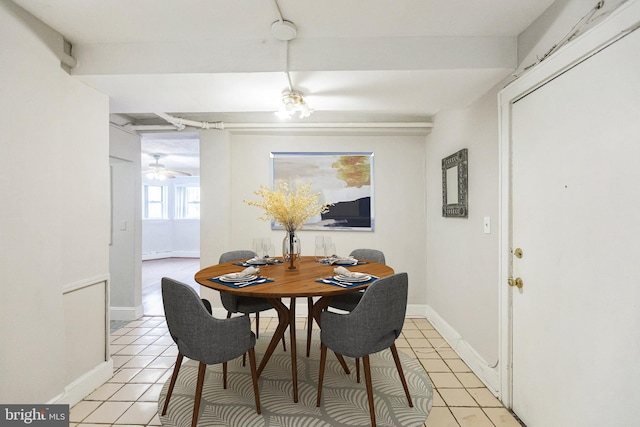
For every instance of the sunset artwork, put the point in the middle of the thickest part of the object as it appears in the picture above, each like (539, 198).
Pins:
(343, 179)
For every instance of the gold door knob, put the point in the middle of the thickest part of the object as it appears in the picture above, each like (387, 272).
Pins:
(516, 282)
(517, 253)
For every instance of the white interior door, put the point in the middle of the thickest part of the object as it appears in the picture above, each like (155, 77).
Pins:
(576, 217)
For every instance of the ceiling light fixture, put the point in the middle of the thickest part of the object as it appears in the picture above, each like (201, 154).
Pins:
(292, 103)
(158, 171)
(292, 100)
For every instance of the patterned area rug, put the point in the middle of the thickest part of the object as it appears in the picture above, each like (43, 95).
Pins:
(344, 401)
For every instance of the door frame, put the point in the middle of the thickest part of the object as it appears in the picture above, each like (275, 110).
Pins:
(620, 22)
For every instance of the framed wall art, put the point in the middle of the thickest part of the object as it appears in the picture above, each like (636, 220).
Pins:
(342, 178)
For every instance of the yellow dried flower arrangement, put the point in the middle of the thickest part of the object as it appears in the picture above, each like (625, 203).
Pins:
(289, 205)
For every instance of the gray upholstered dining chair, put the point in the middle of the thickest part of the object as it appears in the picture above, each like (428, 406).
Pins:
(372, 326)
(200, 336)
(245, 305)
(346, 302)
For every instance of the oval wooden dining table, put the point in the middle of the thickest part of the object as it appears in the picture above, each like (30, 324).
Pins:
(288, 283)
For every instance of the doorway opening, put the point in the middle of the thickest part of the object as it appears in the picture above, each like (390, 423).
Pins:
(170, 213)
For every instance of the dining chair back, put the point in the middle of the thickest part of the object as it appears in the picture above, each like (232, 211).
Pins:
(200, 336)
(239, 255)
(346, 302)
(368, 255)
(245, 305)
(372, 326)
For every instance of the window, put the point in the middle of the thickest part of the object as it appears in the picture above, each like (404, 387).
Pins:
(187, 202)
(155, 202)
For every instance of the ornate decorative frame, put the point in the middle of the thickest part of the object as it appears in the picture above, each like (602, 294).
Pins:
(459, 209)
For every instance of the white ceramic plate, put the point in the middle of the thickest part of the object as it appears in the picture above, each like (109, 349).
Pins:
(235, 277)
(358, 277)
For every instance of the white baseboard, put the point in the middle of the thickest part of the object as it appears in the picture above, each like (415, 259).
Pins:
(185, 254)
(126, 313)
(170, 254)
(490, 376)
(86, 384)
(156, 255)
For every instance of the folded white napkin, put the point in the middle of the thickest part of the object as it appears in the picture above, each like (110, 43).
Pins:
(335, 258)
(341, 271)
(246, 272)
(265, 260)
(250, 270)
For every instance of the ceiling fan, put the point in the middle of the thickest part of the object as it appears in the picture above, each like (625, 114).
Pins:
(158, 171)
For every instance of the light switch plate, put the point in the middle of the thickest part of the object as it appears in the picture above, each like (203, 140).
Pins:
(487, 225)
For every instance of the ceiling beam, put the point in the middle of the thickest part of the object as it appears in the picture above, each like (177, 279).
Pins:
(332, 54)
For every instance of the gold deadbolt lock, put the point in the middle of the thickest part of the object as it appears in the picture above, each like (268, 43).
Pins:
(517, 253)
(516, 282)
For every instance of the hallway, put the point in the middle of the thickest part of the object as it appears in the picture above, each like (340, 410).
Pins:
(182, 269)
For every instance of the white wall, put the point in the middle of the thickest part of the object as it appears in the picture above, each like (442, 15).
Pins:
(54, 219)
(242, 164)
(126, 228)
(462, 267)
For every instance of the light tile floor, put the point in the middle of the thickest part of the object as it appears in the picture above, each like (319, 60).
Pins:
(144, 354)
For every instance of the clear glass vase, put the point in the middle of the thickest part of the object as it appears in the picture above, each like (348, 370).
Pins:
(291, 251)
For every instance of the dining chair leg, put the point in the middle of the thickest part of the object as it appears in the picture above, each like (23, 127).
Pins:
(202, 368)
(292, 345)
(254, 377)
(367, 380)
(396, 358)
(323, 359)
(309, 323)
(244, 355)
(257, 324)
(224, 375)
(358, 369)
(172, 383)
(343, 363)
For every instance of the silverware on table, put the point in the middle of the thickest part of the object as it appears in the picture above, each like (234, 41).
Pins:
(252, 282)
(344, 285)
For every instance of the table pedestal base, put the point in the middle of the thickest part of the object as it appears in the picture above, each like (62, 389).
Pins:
(287, 319)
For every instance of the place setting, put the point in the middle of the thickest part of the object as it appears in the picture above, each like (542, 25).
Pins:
(347, 279)
(241, 279)
(325, 251)
(341, 260)
(260, 261)
(262, 247)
